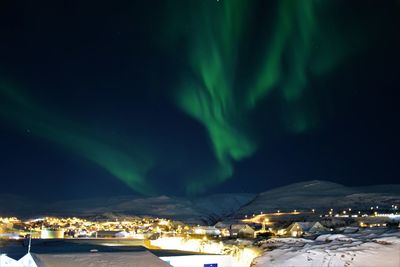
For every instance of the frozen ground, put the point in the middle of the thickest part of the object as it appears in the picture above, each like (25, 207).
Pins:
(368, 248)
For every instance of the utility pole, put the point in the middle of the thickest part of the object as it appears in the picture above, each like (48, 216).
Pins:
(30, 242)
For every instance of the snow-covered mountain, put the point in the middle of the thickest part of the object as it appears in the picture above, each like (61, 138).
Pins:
(209, 209)
(204, 210)
(321, 195)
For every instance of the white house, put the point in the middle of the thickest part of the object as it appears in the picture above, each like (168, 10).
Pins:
(242, 230)
(206, 230)
(298, 229)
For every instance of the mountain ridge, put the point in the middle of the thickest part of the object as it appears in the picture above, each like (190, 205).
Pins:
(317, 194)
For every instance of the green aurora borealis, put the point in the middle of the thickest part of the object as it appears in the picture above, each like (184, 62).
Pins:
(222, 99)
(234, 58)
(129, 167)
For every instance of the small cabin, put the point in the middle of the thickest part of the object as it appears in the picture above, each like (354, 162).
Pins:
(242, 230)
(298, 229)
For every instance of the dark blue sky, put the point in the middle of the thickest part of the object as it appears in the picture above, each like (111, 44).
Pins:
(112, 68)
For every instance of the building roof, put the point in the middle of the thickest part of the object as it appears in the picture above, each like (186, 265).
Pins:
(109, 232)
(7, 261)
(221, 225)
(28, 261)
(305, 226)
(72, 246)
(241, 227)
(100, 259)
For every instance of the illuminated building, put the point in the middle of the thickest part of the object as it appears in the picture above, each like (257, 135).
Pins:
(51, 233)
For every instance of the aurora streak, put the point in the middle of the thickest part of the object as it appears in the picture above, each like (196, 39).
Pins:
(222, 99)
(236, 57)
(130, 168)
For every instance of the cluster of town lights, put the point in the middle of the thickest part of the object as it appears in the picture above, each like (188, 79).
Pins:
(255, 218)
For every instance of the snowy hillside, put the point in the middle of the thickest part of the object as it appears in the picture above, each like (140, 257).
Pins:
(368, 248)
(321, 195)
(209, 209)
(201, 210)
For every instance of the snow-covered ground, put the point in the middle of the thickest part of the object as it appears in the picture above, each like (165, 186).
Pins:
(368, 248)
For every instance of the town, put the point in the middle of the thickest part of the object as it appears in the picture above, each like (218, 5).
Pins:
(238, 238)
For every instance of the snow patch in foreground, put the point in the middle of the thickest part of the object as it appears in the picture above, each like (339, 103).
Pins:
(365, 249)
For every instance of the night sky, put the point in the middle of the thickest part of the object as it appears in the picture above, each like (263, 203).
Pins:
(103, 98)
